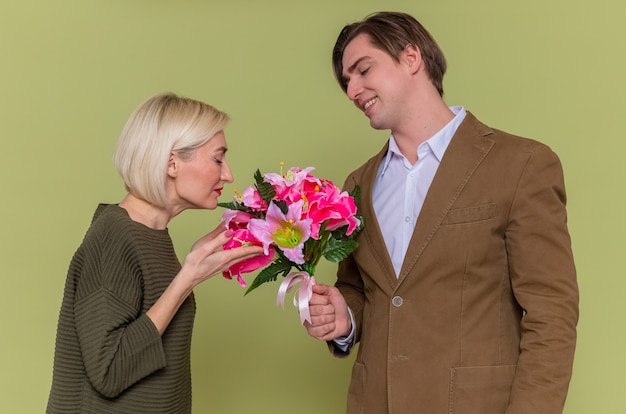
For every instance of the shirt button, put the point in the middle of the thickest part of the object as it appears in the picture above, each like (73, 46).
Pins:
(397, 301)
(407, 219)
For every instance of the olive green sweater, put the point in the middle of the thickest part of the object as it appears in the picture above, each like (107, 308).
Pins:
(109, 357)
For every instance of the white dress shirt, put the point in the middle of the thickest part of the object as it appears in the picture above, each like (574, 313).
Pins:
(399, 192)
(400, 188)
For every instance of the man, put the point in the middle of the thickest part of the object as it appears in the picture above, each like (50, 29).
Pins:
(462, 293)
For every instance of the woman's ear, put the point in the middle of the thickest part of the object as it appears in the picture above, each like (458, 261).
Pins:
(172, 165)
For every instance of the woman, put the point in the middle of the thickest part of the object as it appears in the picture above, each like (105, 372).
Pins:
(124, 333)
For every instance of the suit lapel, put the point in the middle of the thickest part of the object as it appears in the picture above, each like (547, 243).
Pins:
(372, 236)
(466, 151)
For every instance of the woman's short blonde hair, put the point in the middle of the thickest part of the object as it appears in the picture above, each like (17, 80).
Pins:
(161, 125)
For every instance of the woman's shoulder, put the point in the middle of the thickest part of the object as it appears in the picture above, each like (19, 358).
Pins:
(110, 219)
(109, 228)
(112, 223)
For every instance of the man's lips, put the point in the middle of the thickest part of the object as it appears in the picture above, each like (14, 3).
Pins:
(369, 103)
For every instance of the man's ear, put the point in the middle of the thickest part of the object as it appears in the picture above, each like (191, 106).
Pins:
(413, 57)
(172, 165)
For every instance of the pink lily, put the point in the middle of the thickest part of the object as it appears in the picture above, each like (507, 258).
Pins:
(334, 207)
(243, 237)
(292, 185)
(235, 219)
(251, 198)
(286, 231)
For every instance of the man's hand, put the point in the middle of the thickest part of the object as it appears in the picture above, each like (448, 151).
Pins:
(330, 318)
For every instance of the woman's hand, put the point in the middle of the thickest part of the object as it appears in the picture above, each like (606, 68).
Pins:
(206, 258)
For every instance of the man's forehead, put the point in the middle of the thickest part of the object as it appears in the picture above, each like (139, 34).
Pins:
(357, 50)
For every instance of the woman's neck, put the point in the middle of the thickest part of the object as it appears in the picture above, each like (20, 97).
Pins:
(145, 213)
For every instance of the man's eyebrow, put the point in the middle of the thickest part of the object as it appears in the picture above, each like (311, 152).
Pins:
(352, 67)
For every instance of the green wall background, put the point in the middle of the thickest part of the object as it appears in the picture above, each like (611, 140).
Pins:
(73, 70)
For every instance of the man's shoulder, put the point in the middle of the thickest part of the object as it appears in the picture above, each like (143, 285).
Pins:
(503, 140)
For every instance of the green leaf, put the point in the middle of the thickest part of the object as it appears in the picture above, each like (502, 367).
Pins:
(231, 205)
(240, 207)
(270, 273)
(282, 205)
(338, 249)
(356, 193)
(266, 190)
(258, 177)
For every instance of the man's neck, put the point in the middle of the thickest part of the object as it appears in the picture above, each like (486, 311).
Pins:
(426, 120)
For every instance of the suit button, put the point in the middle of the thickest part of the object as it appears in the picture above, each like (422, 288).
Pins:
(396, 301)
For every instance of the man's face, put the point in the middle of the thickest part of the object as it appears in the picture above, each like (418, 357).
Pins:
(375, 82)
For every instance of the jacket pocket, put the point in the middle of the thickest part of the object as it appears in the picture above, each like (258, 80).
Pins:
(480, 390)
(356, 389)
(470, 214)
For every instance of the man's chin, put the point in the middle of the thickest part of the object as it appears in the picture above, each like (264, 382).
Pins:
(377, 125)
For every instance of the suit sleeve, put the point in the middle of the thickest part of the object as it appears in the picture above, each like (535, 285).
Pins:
(350, 284)
(543, 278)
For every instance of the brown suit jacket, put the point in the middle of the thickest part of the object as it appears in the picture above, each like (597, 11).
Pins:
(482, 318)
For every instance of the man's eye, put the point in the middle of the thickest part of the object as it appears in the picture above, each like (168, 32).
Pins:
(364, 71)
(218, 161)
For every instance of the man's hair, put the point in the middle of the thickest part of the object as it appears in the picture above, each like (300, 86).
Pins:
(392, 32)
(162, 125)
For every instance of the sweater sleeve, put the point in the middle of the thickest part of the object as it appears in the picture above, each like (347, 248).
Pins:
(119, 343)
(118, 347)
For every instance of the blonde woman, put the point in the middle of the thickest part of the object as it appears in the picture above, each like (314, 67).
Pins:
(124, 332)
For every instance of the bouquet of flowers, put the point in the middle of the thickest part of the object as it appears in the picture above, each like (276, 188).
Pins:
(298, 219)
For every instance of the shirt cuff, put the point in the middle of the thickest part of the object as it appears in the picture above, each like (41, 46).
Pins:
(344, 342)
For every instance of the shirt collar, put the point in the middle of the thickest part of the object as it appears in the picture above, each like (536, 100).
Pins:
(437, 144)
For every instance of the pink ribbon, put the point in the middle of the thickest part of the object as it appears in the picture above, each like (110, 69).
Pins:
(305, 291)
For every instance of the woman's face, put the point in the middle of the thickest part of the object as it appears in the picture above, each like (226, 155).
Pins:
(198, 181)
